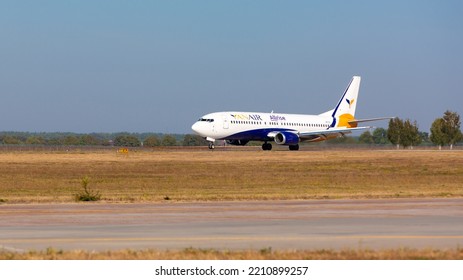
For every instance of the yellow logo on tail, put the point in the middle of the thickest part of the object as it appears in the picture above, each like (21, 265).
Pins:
(350, 102)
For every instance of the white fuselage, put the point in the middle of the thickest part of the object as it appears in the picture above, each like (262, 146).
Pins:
(256, 126)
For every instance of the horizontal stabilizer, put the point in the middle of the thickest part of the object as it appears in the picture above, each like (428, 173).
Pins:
(369, 120)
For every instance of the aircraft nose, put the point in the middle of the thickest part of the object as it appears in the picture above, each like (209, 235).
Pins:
(195, 127)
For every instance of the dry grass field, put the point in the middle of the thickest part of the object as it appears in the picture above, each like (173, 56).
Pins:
(263, 254)
(229, 174)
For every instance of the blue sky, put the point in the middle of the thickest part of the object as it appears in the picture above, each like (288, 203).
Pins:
(157, 66)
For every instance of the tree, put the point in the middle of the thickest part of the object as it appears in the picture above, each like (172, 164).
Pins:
(410, 135)
(438, 137)
(403, 133)
(451, 127)
(446, 130)
(380, 136)
(394, 131)
(424, 136)
(126, 140)
(11, 140)
(55, 141)
(35, 140)
(89, 140)
(151, 141)
(71, 140)
(366, 138)
(168, 140)
(194, 140)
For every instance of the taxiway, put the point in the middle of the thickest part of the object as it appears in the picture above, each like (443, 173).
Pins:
(312, 224)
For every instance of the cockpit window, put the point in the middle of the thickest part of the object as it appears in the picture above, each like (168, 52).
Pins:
(206, 120)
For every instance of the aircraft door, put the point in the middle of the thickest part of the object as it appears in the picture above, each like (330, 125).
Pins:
(226, 124)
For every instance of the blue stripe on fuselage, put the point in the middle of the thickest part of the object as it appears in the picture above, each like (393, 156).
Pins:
(255, 134)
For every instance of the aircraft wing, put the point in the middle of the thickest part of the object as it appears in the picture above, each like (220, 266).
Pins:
(320, 135)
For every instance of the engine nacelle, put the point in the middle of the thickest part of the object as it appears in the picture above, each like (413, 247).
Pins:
(237, 142)
(286, 138)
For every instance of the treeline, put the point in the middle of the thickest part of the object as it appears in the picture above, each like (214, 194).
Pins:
(445, 131)
(122, 139)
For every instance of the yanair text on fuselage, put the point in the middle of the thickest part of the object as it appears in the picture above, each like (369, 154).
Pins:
(247, 117)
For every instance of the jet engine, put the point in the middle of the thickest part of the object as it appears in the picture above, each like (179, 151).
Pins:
(286, 138)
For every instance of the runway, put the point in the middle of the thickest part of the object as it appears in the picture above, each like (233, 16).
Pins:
(312, 224)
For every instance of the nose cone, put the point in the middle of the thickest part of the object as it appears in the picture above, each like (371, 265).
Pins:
(196, 128)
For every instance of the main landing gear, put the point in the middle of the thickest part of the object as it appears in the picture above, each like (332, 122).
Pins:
(294, 147)
(266, 146)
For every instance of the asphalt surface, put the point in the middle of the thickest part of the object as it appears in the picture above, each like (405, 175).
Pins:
(313, 224)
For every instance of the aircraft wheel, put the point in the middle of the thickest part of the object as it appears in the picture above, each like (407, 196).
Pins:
(211, 146)
(294, 147)
(266, 146)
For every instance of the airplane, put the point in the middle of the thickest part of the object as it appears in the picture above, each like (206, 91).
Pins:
(238, 128)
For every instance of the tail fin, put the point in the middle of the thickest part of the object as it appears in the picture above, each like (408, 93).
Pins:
(345, 110)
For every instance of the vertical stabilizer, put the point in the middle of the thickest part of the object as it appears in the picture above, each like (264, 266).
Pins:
(345, 110)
